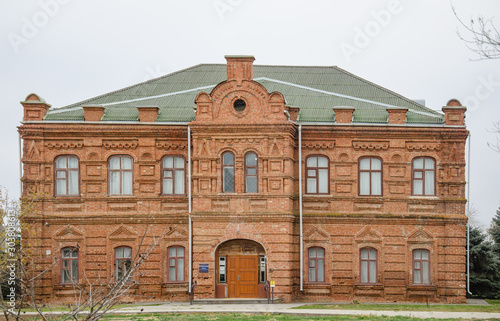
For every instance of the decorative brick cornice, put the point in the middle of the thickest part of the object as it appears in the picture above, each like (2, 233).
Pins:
(370, 144)
(239, 140)
(120, 144)
(171, 144)
(422, 146)
(319, 145)
(66, 144)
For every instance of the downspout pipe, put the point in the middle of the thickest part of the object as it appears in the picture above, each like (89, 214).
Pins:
(300, 213)
(468, 214)
(301, 238)
(190, 223)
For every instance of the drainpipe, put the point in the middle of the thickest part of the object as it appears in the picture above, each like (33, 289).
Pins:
(301, 246)
(190, 223)
(300, 213)
(468, 215)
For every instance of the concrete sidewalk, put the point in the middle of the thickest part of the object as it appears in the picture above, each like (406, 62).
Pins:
(181, 307)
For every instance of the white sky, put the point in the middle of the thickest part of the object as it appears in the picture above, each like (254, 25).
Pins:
(68, 50)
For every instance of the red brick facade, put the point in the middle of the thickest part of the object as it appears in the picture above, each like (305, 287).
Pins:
(340, 221)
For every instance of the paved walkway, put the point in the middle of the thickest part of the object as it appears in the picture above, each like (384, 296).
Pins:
(180, 307)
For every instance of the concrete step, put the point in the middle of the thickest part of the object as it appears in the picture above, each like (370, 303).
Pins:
(234, 301)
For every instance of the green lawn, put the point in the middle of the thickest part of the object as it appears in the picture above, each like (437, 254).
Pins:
(249, 317)
(493, 307)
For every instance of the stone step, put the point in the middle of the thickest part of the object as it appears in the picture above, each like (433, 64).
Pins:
(234, 301)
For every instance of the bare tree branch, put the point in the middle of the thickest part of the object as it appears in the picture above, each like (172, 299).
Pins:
(481, 36)
(92, 299)
(496, 145)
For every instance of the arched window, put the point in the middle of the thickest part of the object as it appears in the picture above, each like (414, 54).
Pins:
(120, 175)
(368, 265)
(251, 170)
(423, 176)
(316, 264)
(421, 266)
(67, 176)
(69, 265)
(228, 172)
(174, 175)
(176, 264)
(317, 175)
(123, 261)
(370, 176)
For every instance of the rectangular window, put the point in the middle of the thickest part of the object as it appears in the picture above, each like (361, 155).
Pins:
(228, 172)
(251, 184)
(173, 168)
(317, 175)
(222, 269)
(123, 261)
(67, 181)
(370, 176)
(262, 269)
(368, 265)
(316, 264)
(69, 265)
(175, 264)
(424, 176)
(120, 175)
(421, 267)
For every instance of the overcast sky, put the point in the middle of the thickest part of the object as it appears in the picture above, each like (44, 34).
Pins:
(68, 50)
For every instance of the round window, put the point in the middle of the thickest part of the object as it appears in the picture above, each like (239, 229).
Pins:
(239, 105)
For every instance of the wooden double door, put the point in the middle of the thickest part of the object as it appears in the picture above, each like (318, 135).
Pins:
(242, 276)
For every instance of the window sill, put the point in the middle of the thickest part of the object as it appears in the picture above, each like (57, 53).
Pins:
(317, 284)
(175, 282)
(421, 287)
(121, 196)
(67, 285)
(374, 286)
(424, 197)
(67, 196)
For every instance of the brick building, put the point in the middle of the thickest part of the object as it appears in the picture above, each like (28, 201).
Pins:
(331, 186)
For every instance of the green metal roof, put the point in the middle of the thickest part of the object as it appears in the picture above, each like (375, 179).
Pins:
(316, 90)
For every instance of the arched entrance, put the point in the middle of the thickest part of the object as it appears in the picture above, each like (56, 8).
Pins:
(241, 269)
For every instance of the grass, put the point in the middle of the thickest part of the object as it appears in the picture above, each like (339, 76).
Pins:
(63, 308)
(493, 307)
(247, 317)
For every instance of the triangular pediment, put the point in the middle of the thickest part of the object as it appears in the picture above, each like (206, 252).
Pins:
(316, 234)
(420, 236)
(368, 234)
(33, 152)
(176, 233)
(123, 232)
(69, 233)
(275, 150)
(204, 148)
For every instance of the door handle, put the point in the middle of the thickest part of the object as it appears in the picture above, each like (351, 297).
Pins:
(238, 277)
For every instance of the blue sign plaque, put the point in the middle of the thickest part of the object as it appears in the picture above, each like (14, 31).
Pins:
(203, 268)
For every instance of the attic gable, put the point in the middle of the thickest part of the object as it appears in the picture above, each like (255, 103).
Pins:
(420, 236)
(317, 234)
(69, 233)
(369, 235)
(123, 233)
